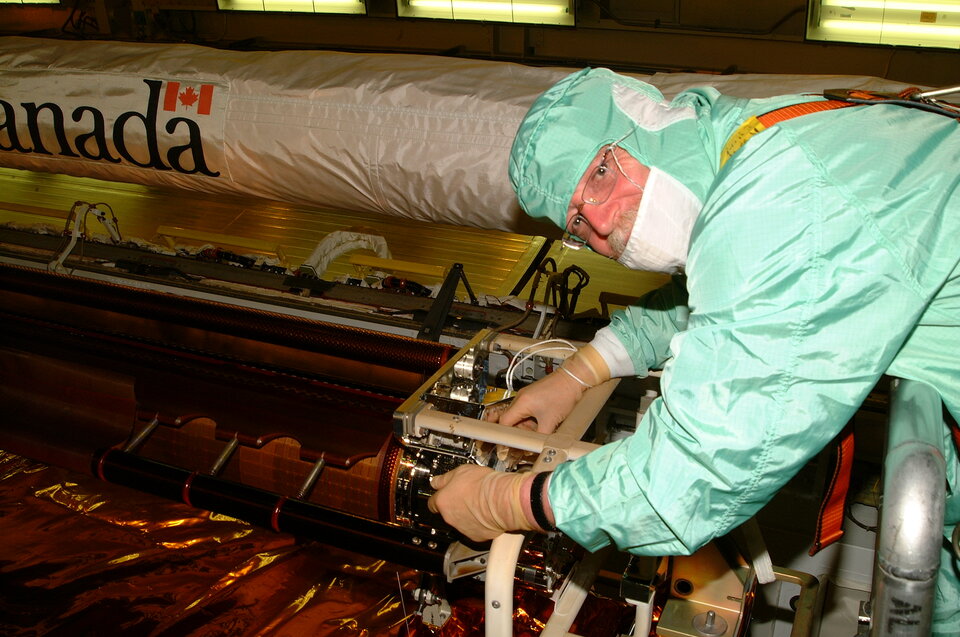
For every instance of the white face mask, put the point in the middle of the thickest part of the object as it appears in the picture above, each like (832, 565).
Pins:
(661, 234)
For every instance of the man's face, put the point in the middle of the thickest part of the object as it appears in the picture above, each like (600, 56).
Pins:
(605, 202)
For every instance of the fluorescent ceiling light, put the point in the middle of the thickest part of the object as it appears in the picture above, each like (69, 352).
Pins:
(902, 5)
(295, 6)
(896, 22)
(559, 12)
(878, 27)
(493, 7)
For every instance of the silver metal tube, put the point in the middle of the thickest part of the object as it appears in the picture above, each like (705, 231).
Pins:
(912, 511)
(940, 91)
(137, 441)
(312, 478)
(224, 457)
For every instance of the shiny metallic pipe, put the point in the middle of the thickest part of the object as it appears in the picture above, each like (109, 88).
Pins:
(911, 519)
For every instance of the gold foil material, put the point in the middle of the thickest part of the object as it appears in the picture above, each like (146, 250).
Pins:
(83, 557)
(494, 261)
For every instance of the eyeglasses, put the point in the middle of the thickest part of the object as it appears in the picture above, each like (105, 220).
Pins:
(597, 189)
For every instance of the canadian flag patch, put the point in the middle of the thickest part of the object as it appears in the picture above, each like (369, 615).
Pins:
(188, 97)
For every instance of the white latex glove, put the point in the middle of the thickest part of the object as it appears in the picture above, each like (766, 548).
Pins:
(543, 405)
(481, 503)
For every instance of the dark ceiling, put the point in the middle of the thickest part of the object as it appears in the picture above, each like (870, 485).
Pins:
(743, 36)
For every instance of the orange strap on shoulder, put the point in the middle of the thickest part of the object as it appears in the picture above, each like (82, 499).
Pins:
(804, 108)
(755, 124)
(830, 519)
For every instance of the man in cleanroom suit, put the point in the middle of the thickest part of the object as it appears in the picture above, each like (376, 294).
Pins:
(819, 253)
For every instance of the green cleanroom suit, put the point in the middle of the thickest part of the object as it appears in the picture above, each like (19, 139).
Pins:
(821, 255)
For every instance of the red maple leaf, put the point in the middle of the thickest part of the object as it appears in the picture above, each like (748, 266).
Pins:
(188, 97)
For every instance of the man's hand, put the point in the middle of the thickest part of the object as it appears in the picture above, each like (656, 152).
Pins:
(543, 405)
(479, 502)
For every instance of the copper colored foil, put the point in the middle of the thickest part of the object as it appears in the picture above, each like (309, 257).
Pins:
(276, 467)
(82, 557)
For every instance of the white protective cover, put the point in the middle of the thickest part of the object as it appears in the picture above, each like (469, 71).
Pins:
(422, 137)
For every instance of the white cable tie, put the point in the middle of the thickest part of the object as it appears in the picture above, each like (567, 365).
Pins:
(576, 378)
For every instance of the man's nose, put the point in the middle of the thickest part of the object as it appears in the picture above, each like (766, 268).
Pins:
(599, 216)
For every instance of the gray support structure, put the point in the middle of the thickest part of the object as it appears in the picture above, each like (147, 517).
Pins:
(911, 520)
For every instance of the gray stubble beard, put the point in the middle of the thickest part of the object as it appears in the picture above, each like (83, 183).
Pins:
(621, 233)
